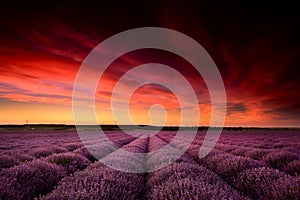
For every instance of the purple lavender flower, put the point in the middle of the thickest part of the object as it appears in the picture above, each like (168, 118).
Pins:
(188, 181)
(29, 180)
(228, 165)
(268, 183)
(45, 151)
(99, 183)
(279, 159)
(7, 161)
(293, 168)
(71, 162)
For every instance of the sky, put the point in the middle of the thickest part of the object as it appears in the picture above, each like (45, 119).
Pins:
(255, 47)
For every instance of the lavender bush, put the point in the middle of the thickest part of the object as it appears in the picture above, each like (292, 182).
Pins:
(22, 157)
(47, 150)
(188, 181)
(155, 158)
(227, 148)
(99, 183)
(42, 152)
(287, 188)
(257, 154)
(85, 153)
(29, 180)
(71, 162)
(130, 156)
(241, 151)
(72, 146)
(293, 168)
(119, 138)
(228, 165)
(7, 161)
(279, 159)
(268, 183)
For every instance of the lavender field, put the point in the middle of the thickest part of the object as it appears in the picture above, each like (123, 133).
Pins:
(250, 164)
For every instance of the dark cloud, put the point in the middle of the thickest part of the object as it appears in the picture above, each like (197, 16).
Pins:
(12, 89)
(233, 108)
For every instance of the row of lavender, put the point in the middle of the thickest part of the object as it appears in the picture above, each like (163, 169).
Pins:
(50, 160)
(274, 174)
(226, 173)
(99, 181)
(184, 179)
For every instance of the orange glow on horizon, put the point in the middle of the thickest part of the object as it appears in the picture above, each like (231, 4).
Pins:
(36, 82)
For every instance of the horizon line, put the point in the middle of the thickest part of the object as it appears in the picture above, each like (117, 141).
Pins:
(173, 126)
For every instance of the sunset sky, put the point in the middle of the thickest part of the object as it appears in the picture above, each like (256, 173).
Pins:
(255, 47)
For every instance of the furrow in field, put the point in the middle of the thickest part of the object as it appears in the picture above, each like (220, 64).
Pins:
(101, 182)
(185, 179)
